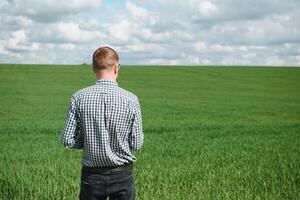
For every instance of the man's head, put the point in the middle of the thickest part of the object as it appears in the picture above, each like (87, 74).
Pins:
(106, 63)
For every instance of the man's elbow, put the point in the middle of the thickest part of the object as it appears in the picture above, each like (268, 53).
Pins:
(72, 145)
(67, 143)
(137, 144)
(71, 142)
(136, 147)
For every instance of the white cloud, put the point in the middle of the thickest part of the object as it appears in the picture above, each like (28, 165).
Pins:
(3, 50)
(121, 31)
(72, 33)
(136, 27)
(217, 48)
(49, 10)
(139, 13)
(152, 31)
(200, 46)
(65, 47)
(8, 22)
(141, 48)
(274, 60)
(206, 8)
(19, 42)
(64, 32)
(89, 24)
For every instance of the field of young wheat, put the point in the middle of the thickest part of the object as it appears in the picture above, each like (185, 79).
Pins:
(210, 132)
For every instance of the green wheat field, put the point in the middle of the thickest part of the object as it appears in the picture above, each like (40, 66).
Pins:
(210, 132)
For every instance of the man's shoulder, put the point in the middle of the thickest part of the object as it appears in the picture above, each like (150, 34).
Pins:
(127, 94)
(82, 91)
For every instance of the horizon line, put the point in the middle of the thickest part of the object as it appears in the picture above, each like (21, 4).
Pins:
(156, 65)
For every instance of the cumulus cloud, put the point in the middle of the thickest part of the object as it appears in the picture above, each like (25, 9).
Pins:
(19, 42)
(64, 32)
(204, 32)
(204, 8)
(200, 46)
(48, 10)
(139, 13)
(14, 22)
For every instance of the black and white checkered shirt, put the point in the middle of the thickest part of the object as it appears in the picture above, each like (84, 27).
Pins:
(106, 122)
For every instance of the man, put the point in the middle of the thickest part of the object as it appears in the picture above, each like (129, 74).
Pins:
(105, 121)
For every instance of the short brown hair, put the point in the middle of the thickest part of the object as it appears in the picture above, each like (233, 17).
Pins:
(105, 58)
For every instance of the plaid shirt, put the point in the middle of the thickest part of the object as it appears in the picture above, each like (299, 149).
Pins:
(106, 122)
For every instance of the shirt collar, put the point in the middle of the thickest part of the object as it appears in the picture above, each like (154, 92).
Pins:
(106, 82)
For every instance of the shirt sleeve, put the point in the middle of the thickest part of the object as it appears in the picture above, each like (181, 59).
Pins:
(72, 136)
(136, 138)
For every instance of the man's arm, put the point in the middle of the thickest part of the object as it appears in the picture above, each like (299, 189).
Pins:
(72, 136)
(136, 138)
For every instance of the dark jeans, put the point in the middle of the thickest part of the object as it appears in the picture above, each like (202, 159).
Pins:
(100, 185)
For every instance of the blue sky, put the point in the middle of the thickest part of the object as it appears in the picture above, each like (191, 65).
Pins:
(194, 32)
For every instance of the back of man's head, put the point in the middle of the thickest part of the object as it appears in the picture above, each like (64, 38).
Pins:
(104, 59)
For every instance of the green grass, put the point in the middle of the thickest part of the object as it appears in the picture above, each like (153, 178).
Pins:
(210, 132)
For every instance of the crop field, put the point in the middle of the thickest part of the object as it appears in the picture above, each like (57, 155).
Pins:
(210, 132)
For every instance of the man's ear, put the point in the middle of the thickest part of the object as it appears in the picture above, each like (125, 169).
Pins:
(116, 69)
(94, 70)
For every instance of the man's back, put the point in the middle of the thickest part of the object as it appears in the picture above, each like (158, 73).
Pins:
(105, 121)
(109, 124)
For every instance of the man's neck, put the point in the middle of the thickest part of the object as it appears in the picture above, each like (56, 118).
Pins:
(105, 77)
